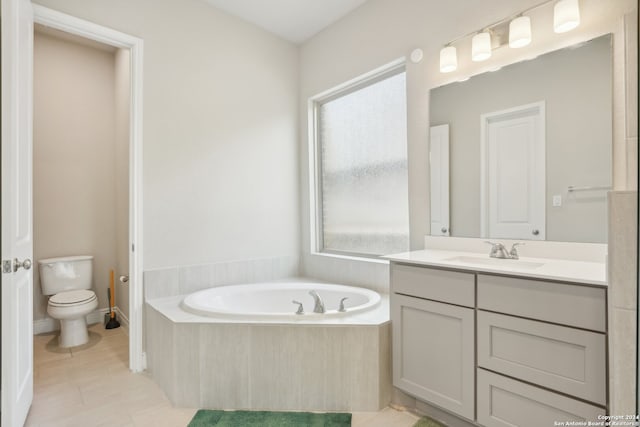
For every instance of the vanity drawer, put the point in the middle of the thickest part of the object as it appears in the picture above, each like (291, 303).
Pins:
(439, 285)
(572, 305)
(503, 402)
(565, 359)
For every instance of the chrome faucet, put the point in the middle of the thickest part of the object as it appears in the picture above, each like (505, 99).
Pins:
(318, 306)
(498, 250)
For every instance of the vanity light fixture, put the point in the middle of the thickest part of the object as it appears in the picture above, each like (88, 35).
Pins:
(516, 28)
(520, 32)
(481, 47)
(566, 16)
(448, 59)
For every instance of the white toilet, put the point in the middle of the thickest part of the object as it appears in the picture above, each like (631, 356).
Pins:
(68, 280)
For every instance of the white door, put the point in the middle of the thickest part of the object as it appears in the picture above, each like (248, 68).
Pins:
(513, 173)
(17, 233)
(439, 170)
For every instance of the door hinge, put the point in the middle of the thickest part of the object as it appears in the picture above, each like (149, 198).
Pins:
(133, 247)
(7, 266)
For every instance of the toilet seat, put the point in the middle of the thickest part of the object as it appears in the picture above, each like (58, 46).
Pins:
(72, 298)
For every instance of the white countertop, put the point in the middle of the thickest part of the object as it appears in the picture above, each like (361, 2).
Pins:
(584, 272)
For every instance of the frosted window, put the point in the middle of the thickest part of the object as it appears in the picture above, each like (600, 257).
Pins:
(363, 148)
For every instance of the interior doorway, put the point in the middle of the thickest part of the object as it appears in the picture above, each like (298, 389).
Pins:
(91, 32)
(81, 102)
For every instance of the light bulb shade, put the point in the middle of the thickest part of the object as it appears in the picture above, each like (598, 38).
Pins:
(448, 59)
(481, 47)
(566, 16)
(520, 32)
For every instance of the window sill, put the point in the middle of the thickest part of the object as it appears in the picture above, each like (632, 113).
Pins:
(351, 258)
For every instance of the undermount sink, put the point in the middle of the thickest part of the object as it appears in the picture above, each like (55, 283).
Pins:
(496, 262)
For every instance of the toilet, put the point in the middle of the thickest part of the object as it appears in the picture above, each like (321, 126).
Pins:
(68, 281)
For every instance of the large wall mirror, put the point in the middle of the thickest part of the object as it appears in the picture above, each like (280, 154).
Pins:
(525, 152)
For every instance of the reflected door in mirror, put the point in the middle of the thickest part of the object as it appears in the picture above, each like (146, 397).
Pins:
(513, 173)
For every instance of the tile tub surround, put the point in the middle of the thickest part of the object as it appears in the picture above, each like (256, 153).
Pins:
(187, 279)
(218, 364)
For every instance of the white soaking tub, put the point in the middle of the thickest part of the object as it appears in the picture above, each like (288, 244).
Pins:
(274, 301)
(243, 347)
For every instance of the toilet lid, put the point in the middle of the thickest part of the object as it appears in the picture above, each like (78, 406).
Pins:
(72, 297)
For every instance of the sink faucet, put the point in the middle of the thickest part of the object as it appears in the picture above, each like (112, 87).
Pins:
(318, 306)
(498, 250)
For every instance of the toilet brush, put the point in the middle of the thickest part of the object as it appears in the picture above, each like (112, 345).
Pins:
(113, 322)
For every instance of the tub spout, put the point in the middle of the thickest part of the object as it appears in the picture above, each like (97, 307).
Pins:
(318, 306)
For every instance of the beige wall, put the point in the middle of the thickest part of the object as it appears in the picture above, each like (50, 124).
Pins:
(74, 158)
(381, 31)
(220, 131)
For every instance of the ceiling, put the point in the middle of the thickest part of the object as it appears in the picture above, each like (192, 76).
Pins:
(293, 20)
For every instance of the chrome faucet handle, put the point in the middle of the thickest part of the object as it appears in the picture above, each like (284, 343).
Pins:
(342, 309)
(300, 308)
(513, 253)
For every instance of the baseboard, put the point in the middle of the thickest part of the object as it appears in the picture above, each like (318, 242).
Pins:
(124, 320)
(48, 324)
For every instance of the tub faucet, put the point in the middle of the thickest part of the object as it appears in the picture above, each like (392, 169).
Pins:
(318, 306)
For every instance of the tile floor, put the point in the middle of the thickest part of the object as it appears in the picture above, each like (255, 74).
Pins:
(91, 386)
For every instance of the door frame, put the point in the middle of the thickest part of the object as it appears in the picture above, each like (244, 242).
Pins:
(89, 30)
(540, 153)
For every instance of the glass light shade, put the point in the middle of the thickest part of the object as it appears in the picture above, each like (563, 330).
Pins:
(520, 32)
(448, 59)
(566, 16)
(481, 47)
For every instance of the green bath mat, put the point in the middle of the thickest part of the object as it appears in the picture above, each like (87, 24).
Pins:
(205, 418)
(428, 422)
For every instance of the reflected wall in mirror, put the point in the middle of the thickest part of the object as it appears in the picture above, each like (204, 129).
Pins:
(530, 148)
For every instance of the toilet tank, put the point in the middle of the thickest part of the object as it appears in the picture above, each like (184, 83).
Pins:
(65, 273)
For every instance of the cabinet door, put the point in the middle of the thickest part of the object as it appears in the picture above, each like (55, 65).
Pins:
(504, 402)
(433, 352)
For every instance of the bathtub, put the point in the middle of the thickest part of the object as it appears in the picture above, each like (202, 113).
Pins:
(243, 347)
(274, 301)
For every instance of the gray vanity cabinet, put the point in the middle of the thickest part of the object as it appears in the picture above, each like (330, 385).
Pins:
(541, 346)
(433, 341)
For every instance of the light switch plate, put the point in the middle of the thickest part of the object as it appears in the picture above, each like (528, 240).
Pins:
(557, 201)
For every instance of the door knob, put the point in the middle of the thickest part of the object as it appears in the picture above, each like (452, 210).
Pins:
(26, 264)
(124, 279)
(535, 232)
(444, 230)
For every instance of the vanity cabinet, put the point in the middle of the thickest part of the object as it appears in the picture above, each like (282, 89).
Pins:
(541, 346)
(433, 339)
